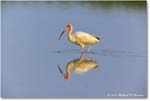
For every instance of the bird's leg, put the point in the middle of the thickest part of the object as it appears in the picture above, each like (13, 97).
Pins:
(82, 50)
(88, 51)
(89, 57)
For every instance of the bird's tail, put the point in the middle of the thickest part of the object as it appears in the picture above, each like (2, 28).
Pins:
(97, 37)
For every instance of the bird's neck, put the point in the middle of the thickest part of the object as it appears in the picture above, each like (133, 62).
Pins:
(70, 37)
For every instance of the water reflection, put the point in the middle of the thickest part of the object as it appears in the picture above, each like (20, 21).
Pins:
(79, 65)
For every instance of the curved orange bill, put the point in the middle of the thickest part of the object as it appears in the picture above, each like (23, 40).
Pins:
(61, 35)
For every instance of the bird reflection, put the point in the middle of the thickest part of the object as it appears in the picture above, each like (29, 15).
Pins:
(79, 65)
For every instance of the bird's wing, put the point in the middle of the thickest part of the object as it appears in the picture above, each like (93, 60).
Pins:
(83, 33)
(84, 37)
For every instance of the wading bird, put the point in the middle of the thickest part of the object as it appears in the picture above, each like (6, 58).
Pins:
(80, 38)
(80, 65)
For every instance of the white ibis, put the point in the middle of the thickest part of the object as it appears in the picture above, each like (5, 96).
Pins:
(80, 65)
(80, 38)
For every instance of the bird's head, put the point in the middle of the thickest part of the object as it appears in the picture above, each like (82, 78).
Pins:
(67, 28)
(66, 75)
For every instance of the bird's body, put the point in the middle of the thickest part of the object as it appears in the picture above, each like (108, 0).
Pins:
(81, 65)
(80, 38)
(83, 39)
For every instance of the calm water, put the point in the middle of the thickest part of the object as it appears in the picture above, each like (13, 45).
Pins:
(31, 51)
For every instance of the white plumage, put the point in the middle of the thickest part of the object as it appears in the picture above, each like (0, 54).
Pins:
(80, 38)
(85, 38)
